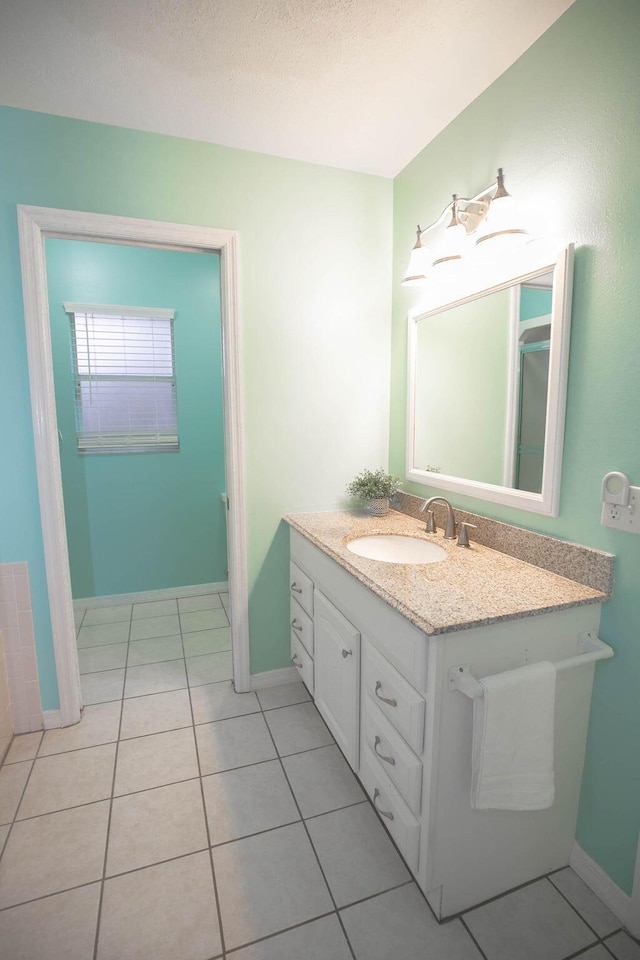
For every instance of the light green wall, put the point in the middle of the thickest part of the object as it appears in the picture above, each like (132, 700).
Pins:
(563, 122)
(315, 299)
(463, 354)
(144, 521)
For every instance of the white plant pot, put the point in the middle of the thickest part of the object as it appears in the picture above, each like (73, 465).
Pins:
(379, 506)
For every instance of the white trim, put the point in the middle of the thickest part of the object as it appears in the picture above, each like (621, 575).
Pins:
(109, 309)
(145, 596)
(273, 678)
(612, 896)
(633, 917)
(547, 502)
(52, 719)
(34, 225)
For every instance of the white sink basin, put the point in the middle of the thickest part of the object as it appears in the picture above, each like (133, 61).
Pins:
(393, 548)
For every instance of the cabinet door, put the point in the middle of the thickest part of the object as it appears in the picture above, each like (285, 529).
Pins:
(337, 675)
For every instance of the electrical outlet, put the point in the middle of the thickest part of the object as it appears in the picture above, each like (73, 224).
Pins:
(623, 518)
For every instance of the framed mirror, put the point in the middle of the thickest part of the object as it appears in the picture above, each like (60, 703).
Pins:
(487, 383)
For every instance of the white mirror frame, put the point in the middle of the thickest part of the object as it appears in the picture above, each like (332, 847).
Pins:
(547, 502)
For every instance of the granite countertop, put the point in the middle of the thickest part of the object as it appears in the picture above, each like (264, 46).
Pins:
(470, 588)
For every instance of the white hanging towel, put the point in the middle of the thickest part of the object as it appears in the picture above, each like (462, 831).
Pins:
(512, 758)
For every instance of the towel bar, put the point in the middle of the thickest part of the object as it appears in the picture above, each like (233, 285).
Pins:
(591, 649)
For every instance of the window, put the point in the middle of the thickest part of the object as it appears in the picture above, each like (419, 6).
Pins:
(125, 383)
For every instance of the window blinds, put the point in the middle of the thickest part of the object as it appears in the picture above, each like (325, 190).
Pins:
(125, 385)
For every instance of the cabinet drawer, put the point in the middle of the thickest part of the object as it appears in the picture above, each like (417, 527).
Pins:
(393, 755)
(302, 662)
(301, 587)
(301, 625)
(397, 699)
(395, 814)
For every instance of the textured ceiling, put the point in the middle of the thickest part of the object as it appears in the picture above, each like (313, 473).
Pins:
(360, 84)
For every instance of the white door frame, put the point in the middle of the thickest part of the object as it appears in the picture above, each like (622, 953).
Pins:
(34, 225)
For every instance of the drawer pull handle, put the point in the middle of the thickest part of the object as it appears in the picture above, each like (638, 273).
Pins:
(346, 653)
(383, 813)
(296, 625)
(296, 662)
(392, 703)
(389, 760)
(295, 587)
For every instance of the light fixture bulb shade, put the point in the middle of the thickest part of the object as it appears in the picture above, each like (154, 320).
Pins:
(502, 229)
(419, 265)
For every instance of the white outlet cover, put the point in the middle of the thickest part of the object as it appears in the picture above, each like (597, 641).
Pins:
(623, 518)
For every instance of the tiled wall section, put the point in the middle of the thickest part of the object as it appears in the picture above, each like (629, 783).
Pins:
(16, 626)
(6, 721)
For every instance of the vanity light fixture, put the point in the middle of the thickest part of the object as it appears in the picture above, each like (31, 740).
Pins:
(483, 226)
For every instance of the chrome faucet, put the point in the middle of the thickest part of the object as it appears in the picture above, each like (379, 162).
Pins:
(450, 525)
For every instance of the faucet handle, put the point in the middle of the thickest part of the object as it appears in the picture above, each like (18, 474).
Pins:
(431, 522)
(463, 535)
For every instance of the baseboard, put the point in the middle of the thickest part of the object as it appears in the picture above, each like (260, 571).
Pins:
(145, 596)
(603, 886)
(52, 719)
(273, 678)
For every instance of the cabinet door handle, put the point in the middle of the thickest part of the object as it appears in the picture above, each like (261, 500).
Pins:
(392, 703)
(296, 625)
(383, 813)
(295, 587)
(295, 661)
(389, 760)
(346, 653)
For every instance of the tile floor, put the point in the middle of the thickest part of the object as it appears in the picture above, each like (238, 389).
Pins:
(182, 821)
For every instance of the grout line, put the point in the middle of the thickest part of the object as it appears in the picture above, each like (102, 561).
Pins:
(15, 813)
(575, 909)
(471, 936)
(272, 936)
(204, 808)
(110, 812)
(306, 829)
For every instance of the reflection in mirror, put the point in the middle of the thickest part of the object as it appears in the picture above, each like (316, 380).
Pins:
(487, 383)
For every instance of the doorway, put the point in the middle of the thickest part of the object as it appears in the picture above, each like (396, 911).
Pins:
(36, 225)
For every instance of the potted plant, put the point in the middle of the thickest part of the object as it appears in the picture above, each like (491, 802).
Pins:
(374, 488)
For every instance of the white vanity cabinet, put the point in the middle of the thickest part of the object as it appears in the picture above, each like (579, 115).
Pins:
(382, 686)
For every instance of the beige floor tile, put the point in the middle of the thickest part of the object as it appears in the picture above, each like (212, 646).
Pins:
(207, 641)
(155, 627)
(155, 650)
(357, 856)
(623, 947)
(155, 760)
(588, 905)
(117, 614)
(284, 695)
(154, 608)
(155, 678)
(211, 668)
(69, 780)
(227, 744)
(219, 701)
(163, 912)
(4, 833)
(203, 620)
(322, 781)
(297, 728)
(110, 656)
(267, 883)
(248, 800)
(101, 633)
(12, 782)
(99, 724)
(23, 747)
(53, 853)
(155, 713)
(61, 927)
(155, 825)
(319, 940)
(399, 924)
(102, 687)
(207, 601)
